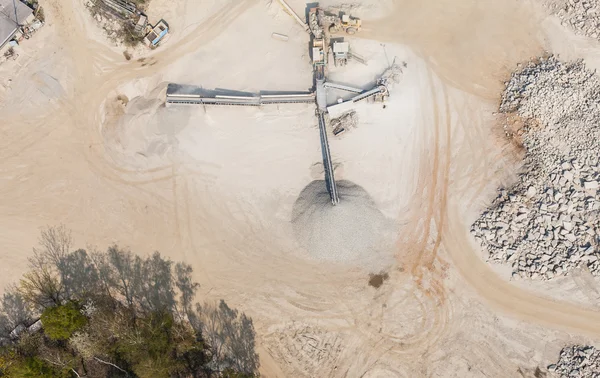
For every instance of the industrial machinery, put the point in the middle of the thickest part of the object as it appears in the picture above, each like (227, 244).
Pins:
(319, 19)
(345, 122)
(314, 22)
(350, 25)
(342, 115)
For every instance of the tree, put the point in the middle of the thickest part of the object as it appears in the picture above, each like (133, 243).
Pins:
(14, 310)
(231, 337)
(187, 287)
(41, 287)
(56, 245)
(78, 274)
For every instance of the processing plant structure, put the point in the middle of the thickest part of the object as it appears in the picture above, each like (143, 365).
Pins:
(322, 26)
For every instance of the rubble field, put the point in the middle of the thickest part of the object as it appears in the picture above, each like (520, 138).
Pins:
(548, 222)
(577, 361)
(582, 16)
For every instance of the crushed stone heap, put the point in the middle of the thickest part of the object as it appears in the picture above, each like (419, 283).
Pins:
(582, 16)
(548, 222)
(577, 361)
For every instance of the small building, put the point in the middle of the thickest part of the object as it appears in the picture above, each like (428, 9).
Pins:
(13, 16)
(318, 52)
(340, 52)
(157, 33)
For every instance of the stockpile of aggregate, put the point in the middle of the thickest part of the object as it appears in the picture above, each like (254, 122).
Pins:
(548, 222)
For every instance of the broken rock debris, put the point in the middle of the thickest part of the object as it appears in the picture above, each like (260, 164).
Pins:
(548, 222)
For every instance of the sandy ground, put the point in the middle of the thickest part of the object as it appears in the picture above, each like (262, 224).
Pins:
(87, 142)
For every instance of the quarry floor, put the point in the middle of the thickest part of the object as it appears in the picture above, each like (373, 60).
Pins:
(87, 142)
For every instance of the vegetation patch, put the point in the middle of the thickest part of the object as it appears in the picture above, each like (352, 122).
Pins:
(62, 321)
(119, 25)
(115, 314)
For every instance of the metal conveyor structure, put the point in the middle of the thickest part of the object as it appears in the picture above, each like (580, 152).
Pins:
(248, 100)
(327, 163)
(329, 84)
(381, 89)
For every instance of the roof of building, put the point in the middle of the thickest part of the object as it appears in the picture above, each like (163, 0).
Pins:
(158, 31)
(341, 47)
(8, 22)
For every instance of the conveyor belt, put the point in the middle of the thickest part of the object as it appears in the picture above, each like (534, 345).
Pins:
(328, 165)
(241, 100)
(342, 87)
(371, 93)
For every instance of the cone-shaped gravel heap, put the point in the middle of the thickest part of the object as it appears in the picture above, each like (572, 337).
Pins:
(354, 231)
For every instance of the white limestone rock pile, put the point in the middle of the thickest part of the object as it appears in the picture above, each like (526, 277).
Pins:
(577, 361)
(548, 223)
(582, 16)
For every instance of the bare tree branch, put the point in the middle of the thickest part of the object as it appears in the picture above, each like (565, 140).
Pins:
(41, 287)
(111, 364)
(57, 242)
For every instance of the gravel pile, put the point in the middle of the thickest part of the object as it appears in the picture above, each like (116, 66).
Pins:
(548, 223)
(582, 16)
(578, 361)
(355, 231)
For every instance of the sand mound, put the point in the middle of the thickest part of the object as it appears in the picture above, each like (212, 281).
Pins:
(354, 231)
(142, 133)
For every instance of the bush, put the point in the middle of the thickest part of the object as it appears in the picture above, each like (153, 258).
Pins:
(62, 321)
(35, 367)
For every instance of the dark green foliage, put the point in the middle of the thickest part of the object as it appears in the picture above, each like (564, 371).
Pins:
(61, 322)
(154, 354)
(35, 367)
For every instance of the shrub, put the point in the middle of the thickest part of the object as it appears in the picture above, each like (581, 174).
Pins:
(35, 367)
(61, 322)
